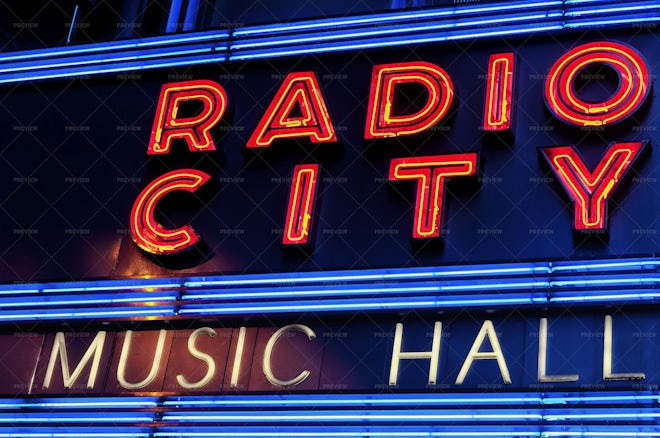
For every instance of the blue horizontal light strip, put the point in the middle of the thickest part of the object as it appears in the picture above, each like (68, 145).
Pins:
(290, 279)
(392, 42)
(611, 414)
(602, 433)
(606, 297)
(629, 280)
(90, 434)
(429, 432)
(87, 403)
(611, 22)
(315, 401)
(622, 413)
(441, 405)
(433, 25)
(394, 274)
(63, 314)
(408, 288)
(646, 7)
(420, 28)
(365, 434)
(228, 403)
(110, 287)
(448, 23)
(354, 305)
(74, 71)
(388, 400)
(165, 40)
(129, 298)
(395, 17)
(407, 415)
(82, 418)
(571, 431)
(94, 60)
(347, 401)
(615, 265)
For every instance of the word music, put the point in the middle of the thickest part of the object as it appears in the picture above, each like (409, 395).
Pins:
(299, 111)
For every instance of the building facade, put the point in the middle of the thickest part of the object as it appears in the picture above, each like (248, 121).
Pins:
(356, 219)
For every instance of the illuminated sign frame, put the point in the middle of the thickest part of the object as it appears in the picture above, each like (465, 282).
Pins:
(546, 415)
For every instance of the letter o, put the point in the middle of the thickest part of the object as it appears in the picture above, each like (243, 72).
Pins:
(563, 102)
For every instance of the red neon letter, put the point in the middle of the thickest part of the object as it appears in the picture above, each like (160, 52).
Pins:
(300, 89)
(195, 129)
(149, 234)
(385, 78)
(430, 173)
(633, 88)
(300, 210)
(499, 89)
(590, 190)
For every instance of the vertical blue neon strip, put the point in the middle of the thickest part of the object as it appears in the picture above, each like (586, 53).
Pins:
(73, 22)
(191, 15)
(173, 17)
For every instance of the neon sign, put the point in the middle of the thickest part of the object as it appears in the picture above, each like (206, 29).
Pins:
(588, 190)
(298, 112)
(632, 91)
(149, 234)
(381, 122)
(449, 353)
(300, 210)
(430, 174)
(300, 90)
(499, 92)
(168, 125)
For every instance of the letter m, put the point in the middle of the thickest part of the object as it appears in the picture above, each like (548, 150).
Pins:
(59, 349)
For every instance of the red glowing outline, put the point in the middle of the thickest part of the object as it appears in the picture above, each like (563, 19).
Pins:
(430, 173)
(301, 88)
(149, 234)
(499, 91)
(634, 86)
(195, 129)
(380, 121)
(300, 208)
(588, 190)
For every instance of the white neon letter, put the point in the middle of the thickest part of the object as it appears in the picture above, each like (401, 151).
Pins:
(59, 348)
(123, 358)
(543, 354)
(474, 354)
(238, 357)
(210, 363)
(434, 354)
(268, 372)
(607, 357)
